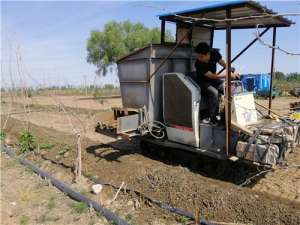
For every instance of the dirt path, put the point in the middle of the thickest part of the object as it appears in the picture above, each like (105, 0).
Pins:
(214, 199)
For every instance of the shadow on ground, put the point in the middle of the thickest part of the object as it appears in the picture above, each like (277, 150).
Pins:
(228, 171)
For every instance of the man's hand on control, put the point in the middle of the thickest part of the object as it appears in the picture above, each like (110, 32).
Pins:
(235, 75)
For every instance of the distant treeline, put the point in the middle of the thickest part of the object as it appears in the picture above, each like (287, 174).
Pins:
(283, 82)
(286, 82)
(96, 91)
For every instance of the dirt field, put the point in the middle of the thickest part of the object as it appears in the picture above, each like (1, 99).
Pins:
(84, 102)
(280, 105)
(274, 199)
(27, 199)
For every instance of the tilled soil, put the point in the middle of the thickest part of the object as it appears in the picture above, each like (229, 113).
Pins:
(213, 199)
(81, 102)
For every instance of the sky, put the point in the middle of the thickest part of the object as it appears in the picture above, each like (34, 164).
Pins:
(46, 40)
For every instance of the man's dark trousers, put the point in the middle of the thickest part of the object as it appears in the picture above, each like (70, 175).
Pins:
(212, 91)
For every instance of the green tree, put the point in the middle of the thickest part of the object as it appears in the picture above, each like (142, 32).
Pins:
(118, 39)
(294, 77)
(279, 75)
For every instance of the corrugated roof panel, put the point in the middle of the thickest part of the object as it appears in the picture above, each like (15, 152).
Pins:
(208, 7)
(218, 11)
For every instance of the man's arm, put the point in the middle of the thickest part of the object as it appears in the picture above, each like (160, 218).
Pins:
(234, 75)
(222, 63)
(215, 76)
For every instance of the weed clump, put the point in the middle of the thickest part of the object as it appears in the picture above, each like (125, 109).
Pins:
(46, 146)
(2, 135)
(79, 207)
(63, 148)
(26, 142)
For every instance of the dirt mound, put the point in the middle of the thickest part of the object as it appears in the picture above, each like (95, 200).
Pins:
(216, 200)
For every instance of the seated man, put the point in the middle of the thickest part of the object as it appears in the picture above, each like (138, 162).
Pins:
(210, 82)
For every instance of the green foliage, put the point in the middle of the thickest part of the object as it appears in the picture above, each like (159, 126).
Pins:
(46, 146)
(183, 220)
(279, 75)
(130, 219)
(107, 90)
(2, 135)
(26, 142)
(63, 148)
(293, 77)
(79, 207)
(286, 82)
(29, 170)
(118, 39)
(24, 220)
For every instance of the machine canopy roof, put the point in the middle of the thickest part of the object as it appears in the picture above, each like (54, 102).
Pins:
(209, 15)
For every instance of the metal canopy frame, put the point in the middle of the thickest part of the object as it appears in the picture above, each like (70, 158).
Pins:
(229, 26)
(218, 12)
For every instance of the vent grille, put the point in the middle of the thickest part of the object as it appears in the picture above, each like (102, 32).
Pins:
(177, 102)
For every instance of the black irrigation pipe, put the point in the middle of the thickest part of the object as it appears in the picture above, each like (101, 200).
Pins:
(110, 216)
(158, 203)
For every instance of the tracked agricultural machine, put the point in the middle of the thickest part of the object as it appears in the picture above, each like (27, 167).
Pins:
(163, 105)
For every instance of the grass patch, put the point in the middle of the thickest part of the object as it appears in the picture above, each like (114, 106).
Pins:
(2, 135)
(51, 204)
(29, 170)
(183, 220)
(79, 207)
(84, 192)
(46, 146)
(63, 148)
(130, 219)
(26, 142)
(92, 177)
(24, 220)
(44, 218)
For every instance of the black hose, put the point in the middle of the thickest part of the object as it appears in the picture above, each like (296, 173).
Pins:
(110, 216)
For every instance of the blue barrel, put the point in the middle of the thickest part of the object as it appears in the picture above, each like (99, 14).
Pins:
(256, 83)
(264, 83)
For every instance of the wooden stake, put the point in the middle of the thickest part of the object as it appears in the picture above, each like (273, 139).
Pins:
(78, 169)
